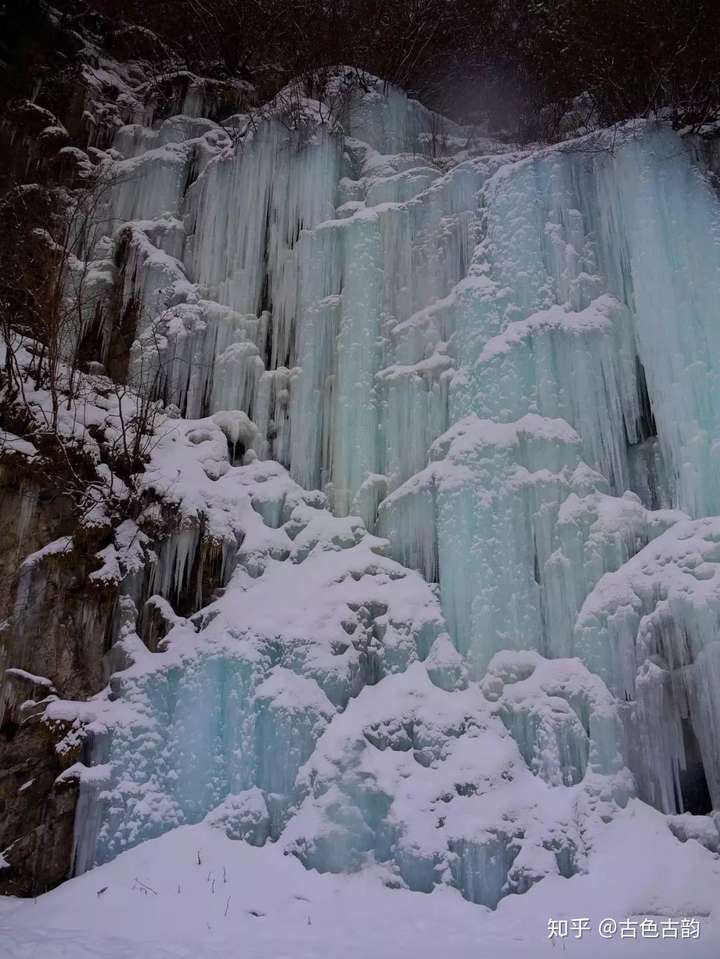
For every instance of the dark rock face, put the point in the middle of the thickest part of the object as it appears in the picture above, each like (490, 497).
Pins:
(60, 625)
(53, 638)
(36, 814)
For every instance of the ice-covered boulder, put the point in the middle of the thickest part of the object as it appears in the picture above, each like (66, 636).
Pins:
(487, 793)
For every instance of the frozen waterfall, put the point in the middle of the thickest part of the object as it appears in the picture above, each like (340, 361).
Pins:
(473, 601)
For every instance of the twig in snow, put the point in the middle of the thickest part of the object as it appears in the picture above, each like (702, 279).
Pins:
(145, 887)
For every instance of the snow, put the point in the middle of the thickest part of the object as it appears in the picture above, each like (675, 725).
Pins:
(58, 547)
(239, 897)
(30, 678)
(10, 443)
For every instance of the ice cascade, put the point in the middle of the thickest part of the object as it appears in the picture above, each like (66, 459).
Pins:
(453, 411)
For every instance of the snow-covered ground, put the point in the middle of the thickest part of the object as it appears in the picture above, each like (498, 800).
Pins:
(194, 893)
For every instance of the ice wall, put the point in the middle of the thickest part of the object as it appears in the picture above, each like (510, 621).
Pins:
(299, 252)
(357, 303)
(503, 363)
